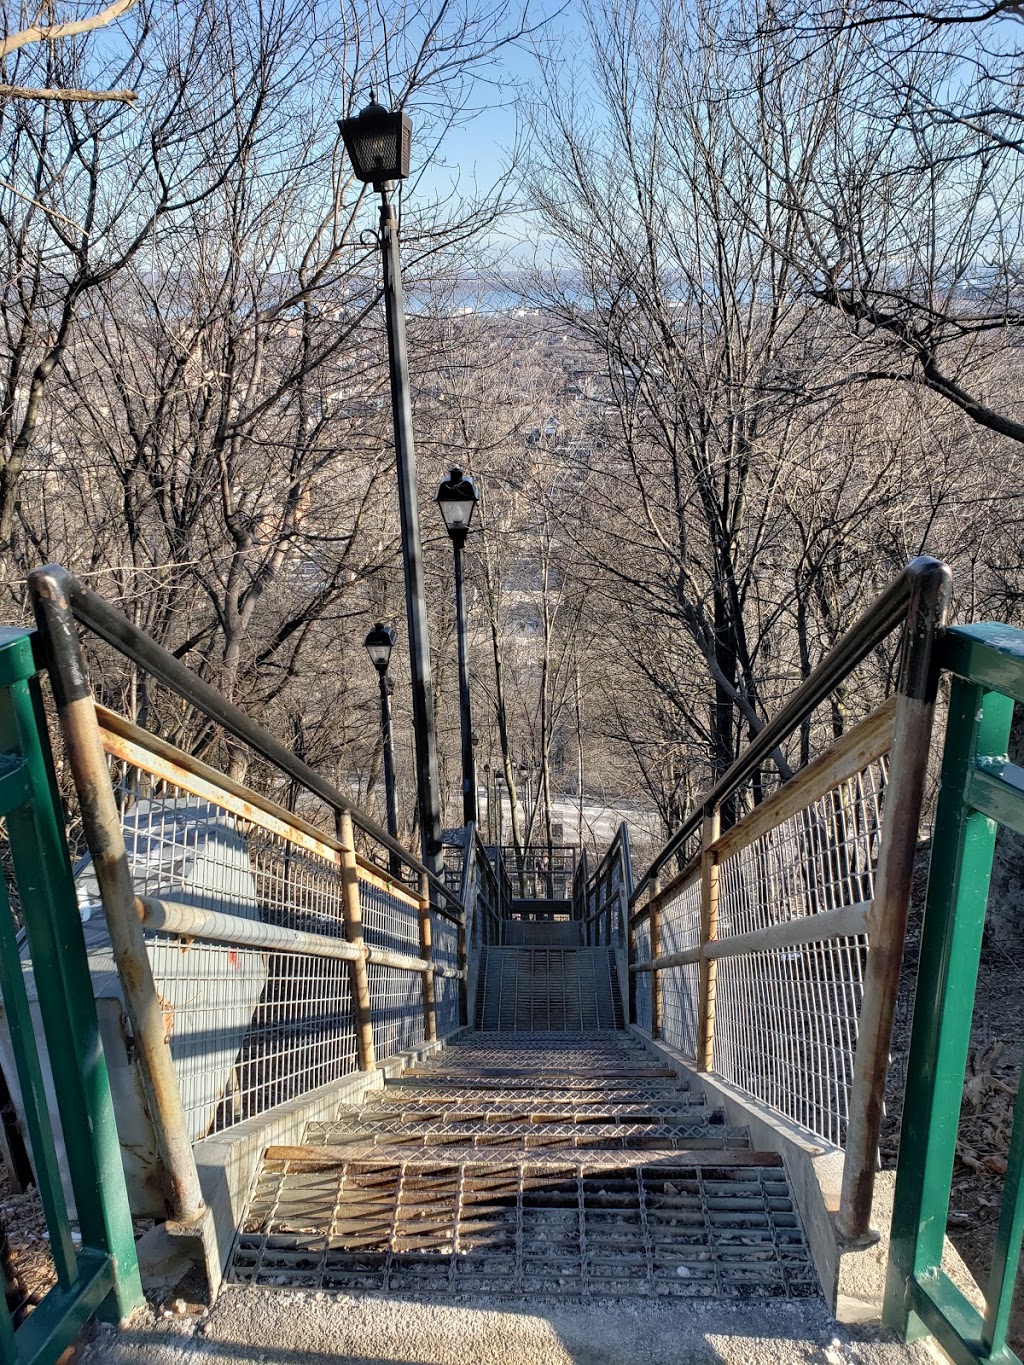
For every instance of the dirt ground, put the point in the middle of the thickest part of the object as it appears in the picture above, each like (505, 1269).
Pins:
(24, 1246)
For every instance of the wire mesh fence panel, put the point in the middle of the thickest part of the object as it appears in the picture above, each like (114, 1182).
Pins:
(786, 1029)
(186, 849)
(396, 1009)
(249, 1030)
(680, 919)
(390, 920)
(642, 980)
(679, 992)
(786, 1017)
(680, 930)
(445, 953)
(822, 858)
(615, 891)
(454, 858)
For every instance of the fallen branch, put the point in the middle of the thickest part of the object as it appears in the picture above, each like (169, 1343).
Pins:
(53, 213)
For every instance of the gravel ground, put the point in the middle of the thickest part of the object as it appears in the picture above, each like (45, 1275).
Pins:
(255, 1325)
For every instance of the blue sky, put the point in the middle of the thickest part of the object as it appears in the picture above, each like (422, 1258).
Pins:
(481, 146)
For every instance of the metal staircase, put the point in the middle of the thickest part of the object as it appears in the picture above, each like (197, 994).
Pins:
(557, 1148)
(537, 989)
(531, 1163)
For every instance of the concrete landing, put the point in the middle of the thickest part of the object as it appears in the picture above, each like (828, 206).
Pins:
(257, 1327)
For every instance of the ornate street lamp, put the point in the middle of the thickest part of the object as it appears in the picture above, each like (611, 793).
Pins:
(379, 644)
(457, 498)
(378, 142)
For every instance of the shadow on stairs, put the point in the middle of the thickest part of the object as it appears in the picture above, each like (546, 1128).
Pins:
(528, 1163)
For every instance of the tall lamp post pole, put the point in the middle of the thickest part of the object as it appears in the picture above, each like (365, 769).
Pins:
(457, 498)
(379, 644)
(378, 143)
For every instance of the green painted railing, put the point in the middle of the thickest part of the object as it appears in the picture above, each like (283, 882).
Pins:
(980, 791)
(98, 1274)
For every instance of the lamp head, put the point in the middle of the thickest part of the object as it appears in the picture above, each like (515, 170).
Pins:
(457, 498)
(378, 143)
(379, 644)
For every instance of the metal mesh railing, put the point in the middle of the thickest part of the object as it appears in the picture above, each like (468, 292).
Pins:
(786, 1029)
(249, 1030)
(786, 1017)
(250, 1027)
(396, 1009)
(605, 898)
(680, 930)
(445, 940)
(642, 981)
(761, 941)
(819, 859)
(390, 919)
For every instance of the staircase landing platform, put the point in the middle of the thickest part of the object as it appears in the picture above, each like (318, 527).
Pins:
(259, 1327)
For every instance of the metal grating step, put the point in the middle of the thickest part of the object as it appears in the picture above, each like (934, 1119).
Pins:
(526, 1136)
(722, 1226)
(547, 989)
(580, 1087)
(505, 1076)
(526, 1111)
(592, 1094)
(528, 1163)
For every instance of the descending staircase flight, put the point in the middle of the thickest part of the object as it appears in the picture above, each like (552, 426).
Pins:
(550, 1133)
(546, 1153)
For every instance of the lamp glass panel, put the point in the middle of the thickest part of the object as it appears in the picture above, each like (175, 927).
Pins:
(457, 513)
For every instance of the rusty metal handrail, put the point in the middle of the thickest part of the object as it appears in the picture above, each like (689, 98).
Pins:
(193, 921)
(920, 599)
(883, 616)
(124, 740)
(56, 591)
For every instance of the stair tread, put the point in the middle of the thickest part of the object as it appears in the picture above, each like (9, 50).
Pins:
(600, 1159)
(548, 1152)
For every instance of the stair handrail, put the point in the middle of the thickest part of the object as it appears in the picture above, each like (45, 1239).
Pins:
(887, 612)
(60, 599)
(61, 603)
(919, 597)
(617, 852)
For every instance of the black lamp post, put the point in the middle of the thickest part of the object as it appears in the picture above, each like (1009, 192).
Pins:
(378, 143)
(379, 644)
(457, 499)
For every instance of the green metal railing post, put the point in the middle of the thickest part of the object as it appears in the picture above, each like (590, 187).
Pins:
(980, 789)
(103, 1277)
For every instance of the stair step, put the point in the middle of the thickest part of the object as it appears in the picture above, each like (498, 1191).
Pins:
(527, 1136)
(613, 1160)
(516, 1076)
(545, 1111)
(400, 1094)
(696, 1119)
(547, 988)
(531, 1163)
(708, 1224)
